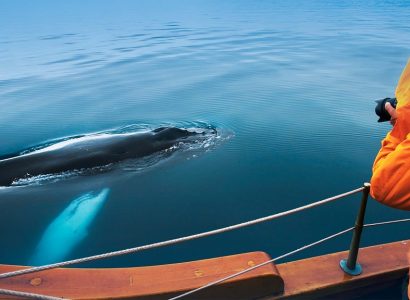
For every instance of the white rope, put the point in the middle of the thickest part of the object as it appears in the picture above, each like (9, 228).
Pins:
(27, 295)
(179, 240)
(262, 264)
(44, 297)
(386, 222)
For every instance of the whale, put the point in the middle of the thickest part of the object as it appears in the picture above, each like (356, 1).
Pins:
(91, 151)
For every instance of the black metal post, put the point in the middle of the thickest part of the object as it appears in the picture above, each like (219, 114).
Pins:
(351, 266)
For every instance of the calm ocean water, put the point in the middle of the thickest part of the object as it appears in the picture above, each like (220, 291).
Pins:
(289, 84)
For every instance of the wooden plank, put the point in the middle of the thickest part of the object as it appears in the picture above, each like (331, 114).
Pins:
(156, 282)
(312, 278)
(321, 276)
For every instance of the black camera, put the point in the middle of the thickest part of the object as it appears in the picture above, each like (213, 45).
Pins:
(381, 110)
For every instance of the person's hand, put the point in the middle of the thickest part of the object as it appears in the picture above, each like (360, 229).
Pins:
(392, 112)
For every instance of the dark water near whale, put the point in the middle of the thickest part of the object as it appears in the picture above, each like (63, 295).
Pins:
(291, 83)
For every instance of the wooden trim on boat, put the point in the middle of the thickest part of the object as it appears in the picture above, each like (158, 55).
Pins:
(155, 282)
(321, 276)
(312, 278)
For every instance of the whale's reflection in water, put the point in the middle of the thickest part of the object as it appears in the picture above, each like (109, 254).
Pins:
(69, 228)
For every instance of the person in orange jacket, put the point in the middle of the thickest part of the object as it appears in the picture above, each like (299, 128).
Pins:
(390, 183)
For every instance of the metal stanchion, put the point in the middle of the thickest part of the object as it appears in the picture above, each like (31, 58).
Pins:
(350, 265)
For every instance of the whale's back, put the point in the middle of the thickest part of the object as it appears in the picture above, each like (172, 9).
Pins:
(88, 152)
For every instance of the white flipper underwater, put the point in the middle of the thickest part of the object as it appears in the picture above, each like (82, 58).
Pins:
(69, 228)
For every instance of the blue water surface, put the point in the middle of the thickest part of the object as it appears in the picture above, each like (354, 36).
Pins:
(290, 84)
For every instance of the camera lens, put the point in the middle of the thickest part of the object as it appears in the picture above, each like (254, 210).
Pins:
(381, 109)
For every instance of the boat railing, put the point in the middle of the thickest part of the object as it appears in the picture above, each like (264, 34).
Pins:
(349, 266)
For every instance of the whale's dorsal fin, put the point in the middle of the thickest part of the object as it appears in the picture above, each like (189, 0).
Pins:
(159, 129)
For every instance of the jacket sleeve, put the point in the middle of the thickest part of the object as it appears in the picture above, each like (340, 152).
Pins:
(390, 183)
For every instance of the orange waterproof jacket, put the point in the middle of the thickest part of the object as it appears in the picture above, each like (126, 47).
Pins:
(390, 183)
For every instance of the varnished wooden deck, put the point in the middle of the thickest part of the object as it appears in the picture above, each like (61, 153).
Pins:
(156, 282)
(321, 276)
(312, 278)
